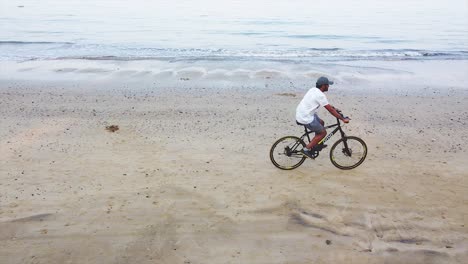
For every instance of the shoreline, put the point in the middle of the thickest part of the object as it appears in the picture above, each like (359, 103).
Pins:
(233, 73)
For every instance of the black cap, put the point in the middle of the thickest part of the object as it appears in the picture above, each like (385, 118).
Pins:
(321, 81)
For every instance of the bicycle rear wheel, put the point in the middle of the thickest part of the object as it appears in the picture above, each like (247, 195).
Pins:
(285, 153)
(348, 153)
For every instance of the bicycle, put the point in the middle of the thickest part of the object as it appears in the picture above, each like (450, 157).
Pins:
(347, 153)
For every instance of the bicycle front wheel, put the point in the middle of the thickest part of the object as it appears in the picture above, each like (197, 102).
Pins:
(348, 153)
(285, 153)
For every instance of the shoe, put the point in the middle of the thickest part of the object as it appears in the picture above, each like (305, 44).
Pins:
(308, 153)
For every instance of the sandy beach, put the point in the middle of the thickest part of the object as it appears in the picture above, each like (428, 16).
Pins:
(187, 177)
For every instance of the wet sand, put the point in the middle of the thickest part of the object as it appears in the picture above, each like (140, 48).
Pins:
(187, 177)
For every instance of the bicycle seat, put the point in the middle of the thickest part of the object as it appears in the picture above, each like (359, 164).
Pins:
(300, 124)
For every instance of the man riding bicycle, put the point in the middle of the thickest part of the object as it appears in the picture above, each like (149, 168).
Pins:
(306, 114)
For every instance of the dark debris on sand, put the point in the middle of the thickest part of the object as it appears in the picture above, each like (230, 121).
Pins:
(112, 128)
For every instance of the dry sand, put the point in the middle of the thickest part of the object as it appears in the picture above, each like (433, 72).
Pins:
(187, 177)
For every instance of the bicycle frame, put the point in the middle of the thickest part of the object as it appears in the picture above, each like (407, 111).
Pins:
(338, 125)
(338, 128)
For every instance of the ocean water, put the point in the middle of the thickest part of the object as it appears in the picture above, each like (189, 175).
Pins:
(233, 30)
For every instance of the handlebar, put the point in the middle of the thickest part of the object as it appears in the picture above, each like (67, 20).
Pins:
(341, 114)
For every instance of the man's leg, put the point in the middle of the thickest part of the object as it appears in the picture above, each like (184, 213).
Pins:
(318, 136)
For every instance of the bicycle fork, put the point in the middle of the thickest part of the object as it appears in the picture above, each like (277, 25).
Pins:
(346, 149)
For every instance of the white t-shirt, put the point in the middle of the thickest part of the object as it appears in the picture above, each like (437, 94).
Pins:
(309, 105)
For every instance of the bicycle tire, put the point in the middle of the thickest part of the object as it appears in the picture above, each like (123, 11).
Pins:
(294, 156)
(358, 148)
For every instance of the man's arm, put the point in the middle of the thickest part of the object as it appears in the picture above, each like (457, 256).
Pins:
(333, 111)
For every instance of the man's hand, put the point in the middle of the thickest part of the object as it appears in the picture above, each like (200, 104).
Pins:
(346, 120)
